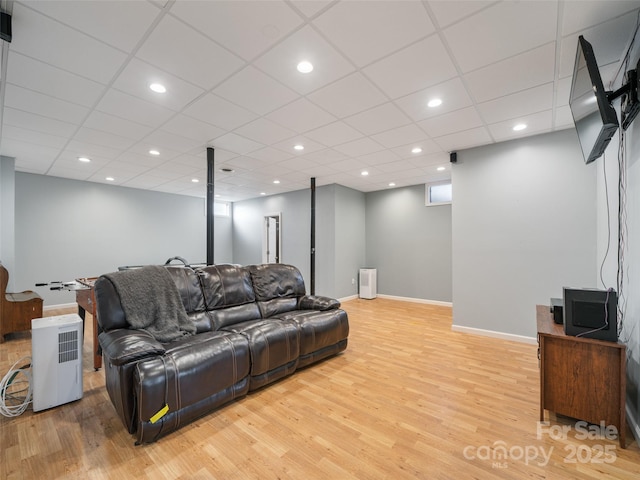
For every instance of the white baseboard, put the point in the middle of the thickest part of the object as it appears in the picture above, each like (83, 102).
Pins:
(491, 333)
(350, 297)
(416, 300)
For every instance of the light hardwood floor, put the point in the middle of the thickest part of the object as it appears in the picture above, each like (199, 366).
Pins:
(409, 398)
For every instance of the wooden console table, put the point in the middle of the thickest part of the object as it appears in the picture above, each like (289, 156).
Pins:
(86, 300)
(581, 377)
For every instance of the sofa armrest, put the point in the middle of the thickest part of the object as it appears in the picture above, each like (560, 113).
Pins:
(124, 346)
(318, 302)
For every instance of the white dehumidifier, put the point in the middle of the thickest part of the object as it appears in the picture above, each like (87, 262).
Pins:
(56, 360)
(368, 283)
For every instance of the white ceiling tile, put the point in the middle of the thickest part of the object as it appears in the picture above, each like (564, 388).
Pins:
(191, 128)
(521, 72)
(138, 75)
(118, 126)
(427, 146)
(378, 119)
(453, 94)
(325, 157)
(132, 108)
(382, 27)
(305, 44)
(46, 40)
(563, 118)
(144, 147)
(270, 154)
(29, 136)
(102, 153)
(67, 172)
(348, 165)
(308, 144)
(536, 123)
(563, 89)
(169, 45)
(44, 78)
(145, 182)
(447, 12)
(464, 139)
(348, 96)
(255, 91)
(512, 106)
(38, 123)
(246, 28)
(264, 131)
(88, 135)
(400, 136)
(29, 155)
(447, 123)
(118, 23)
(334, 134)
(164, 139)
(301, 116)
(414, 68)
(496, 36)
(576, 17)
(359, 147)
(44, 105)
(310, 8)
(217, 111)
(236, 143)
(379, 158)
(247, 163)
(139, 159)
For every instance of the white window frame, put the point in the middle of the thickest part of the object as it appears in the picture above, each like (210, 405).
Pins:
(226, 206)
(427, 193)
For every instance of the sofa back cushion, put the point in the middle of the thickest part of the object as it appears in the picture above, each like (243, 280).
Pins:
(188, 283)
(277, 287)
(228, 294)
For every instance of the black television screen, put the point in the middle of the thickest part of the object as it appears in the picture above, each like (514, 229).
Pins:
(594, 116)
(590, 313)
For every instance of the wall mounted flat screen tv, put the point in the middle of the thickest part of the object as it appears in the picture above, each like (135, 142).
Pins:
(594, 116)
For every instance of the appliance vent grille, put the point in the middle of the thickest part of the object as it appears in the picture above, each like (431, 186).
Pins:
(67, 346)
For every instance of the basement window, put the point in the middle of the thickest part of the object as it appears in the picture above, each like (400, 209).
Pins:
(438, 193)
(221, 209)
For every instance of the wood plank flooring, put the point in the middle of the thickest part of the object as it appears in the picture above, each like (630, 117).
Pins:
(408, 399)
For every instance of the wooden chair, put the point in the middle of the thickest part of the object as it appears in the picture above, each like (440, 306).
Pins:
(16, 309)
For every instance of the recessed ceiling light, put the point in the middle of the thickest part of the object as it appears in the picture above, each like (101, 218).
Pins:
(392, 184)
(298, 147)
(416, 150)
(305, 67)
(441, 169)
(263, 193)
(195, 180)
(84, 159)
(364, 173)
(154, 152)
(276, 181)
(158, 88)
(217, 195)
(109, 179)
(520, 126)
(434, 102)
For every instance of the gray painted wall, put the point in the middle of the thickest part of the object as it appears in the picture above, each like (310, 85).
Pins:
(409, 244)
(339, 234)
(7, 217)
(524, 226)
(67, 228)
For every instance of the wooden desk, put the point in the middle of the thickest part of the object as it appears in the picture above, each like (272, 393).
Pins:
(86, 301)
(580, 377)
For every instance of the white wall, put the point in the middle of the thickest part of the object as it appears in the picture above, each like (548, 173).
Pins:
(524, 226)
(7, 216)
(66, 229)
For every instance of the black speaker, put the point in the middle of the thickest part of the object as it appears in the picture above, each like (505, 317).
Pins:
(5, 27)
(453, 157)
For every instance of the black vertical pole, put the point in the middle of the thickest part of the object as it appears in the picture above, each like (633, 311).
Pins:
(210, 179)
(313, 236)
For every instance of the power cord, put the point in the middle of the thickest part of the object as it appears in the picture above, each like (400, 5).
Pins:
(14, 401)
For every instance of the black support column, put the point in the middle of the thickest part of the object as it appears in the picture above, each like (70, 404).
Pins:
(210, 179)
(313, 236)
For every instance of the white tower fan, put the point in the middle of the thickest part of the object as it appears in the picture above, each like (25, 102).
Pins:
(56, 360)
(368, 282)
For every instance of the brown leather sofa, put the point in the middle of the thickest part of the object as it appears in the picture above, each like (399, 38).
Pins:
(255, 325)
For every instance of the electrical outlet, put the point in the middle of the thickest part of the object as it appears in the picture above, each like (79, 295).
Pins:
(353, 281)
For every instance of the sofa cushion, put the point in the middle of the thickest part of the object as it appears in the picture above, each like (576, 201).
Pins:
(277, 287)
(188, 285)
(225, 286)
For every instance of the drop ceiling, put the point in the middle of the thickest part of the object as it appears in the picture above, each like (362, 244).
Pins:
(77, 76)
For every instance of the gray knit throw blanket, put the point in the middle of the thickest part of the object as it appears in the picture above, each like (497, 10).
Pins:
(151, 302)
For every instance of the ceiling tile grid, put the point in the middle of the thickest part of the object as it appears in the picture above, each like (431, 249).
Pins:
(78, 76)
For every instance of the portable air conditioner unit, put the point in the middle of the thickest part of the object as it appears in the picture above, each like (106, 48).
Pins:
(368, 283)
(56, 360)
